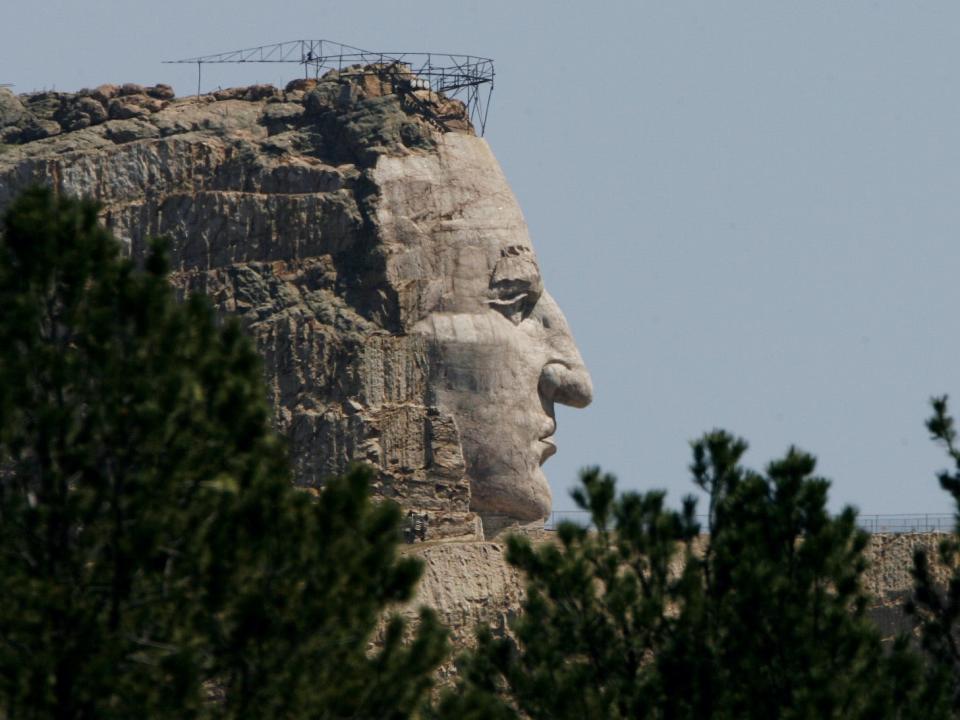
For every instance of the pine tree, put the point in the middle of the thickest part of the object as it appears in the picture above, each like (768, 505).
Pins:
(640, 616)
(935, 606)
(155, 559)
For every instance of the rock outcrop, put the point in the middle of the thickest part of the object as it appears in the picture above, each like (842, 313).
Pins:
(369, 243)
(264, 196)
(472, 584)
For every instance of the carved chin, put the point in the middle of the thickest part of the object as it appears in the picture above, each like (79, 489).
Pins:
(522, 498)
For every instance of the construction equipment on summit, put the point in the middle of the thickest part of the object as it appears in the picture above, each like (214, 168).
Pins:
(465, 77)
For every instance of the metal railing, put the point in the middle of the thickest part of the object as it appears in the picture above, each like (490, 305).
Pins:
(906, 523)
(898, 524)
(468, 78)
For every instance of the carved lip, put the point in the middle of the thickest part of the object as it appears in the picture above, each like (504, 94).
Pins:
(548, 429)
(549, 448)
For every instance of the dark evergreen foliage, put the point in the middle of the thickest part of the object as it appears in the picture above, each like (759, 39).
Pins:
(643, 617)
(155, 560)
(936, 607)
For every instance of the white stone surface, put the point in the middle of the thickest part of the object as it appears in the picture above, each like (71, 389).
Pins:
(501, 353)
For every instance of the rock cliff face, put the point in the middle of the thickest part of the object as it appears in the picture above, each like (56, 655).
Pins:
(267, 201)
(370, 245)
(471, 583)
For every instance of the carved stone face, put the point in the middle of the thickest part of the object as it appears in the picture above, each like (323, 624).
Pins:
(500, 352)
(381, 265)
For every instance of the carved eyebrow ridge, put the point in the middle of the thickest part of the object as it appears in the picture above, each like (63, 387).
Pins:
(515, 283)
(516, 268)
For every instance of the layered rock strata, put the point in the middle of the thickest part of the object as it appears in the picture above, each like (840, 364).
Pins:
(266, 199)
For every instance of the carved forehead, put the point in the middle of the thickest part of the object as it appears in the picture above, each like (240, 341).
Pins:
(455, 193)
(451, 227)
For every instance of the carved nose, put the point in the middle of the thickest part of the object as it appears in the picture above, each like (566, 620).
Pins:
(565, 384)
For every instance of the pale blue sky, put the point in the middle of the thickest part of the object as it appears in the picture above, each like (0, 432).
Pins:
(749, 211)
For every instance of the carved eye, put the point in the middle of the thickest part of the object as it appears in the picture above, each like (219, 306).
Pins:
(515, 285)
(515, 304)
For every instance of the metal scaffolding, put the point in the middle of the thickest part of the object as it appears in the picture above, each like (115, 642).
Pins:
(465, 77)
